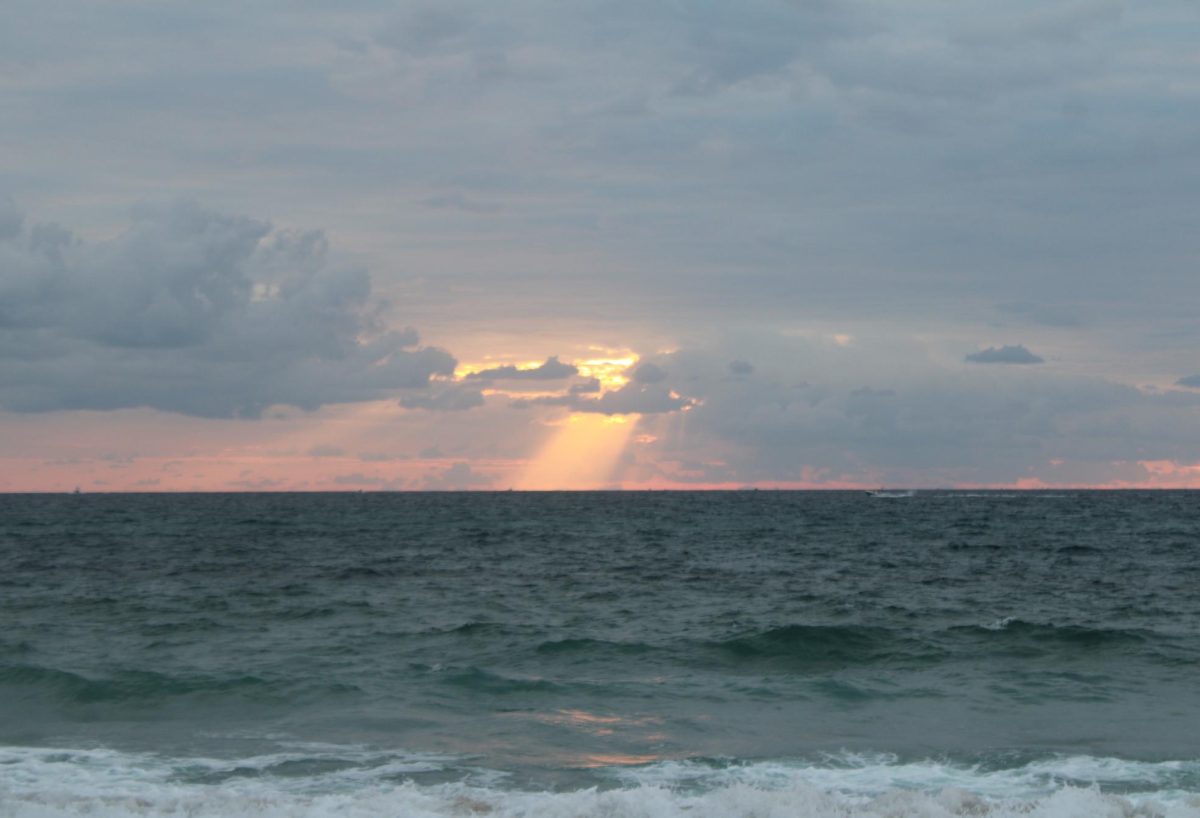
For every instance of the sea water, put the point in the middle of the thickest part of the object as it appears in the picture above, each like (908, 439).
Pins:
(601, 654)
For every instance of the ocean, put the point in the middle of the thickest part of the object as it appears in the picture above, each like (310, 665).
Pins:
(648, 654)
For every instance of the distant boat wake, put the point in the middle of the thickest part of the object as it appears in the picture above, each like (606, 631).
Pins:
(885, 493)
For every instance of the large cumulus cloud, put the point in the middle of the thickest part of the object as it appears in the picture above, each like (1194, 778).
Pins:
(193, 311)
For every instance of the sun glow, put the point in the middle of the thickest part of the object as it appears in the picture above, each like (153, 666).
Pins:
(605, 364)
(582, 454)
(609, 369)
(464, 369)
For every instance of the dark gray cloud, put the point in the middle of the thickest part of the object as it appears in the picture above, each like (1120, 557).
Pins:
(196, 312)
(1191, 382)
(632, 398)
(551, 369)
(444, 398)
(649, 373)
(956, 138)
(587, 387)
(1004, 355)
(741, 368)
(635, 397)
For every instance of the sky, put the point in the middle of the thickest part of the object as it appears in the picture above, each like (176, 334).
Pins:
(349, 245)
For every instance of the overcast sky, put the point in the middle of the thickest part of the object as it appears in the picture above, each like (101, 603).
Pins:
(399, 245)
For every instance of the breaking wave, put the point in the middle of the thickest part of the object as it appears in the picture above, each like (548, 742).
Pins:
(326, 780)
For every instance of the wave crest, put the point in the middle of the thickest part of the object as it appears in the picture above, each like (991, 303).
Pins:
(35, 683)
(321, 781)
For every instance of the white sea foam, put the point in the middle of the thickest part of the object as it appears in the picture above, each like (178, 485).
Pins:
(41, 783)
(876, 774)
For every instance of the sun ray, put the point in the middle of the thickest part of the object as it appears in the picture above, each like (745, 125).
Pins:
(582, 454)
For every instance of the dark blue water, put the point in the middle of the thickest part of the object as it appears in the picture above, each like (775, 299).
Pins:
(522, 653)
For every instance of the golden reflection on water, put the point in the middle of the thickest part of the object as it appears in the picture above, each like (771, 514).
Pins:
(604, 725)
(593, 722)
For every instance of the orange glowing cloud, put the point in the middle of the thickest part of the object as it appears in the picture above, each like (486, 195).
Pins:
(608, 366)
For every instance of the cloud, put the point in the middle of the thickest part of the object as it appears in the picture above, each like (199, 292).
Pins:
(649, 373)
(427, 29)
(457, 477)
(11, 219)
(450, 398)
(326, 451)
(359, 479)
(647, 392)
(740, 368)
(460, 201)
(1054, 26)
(727, 47)
(380, 457)
(196, 312)
(632, 398)
(1049, 315)
(551, 370)
(1191, 382)
(914, 421)
(956, 136)
(1059, 100)
(1004, 355)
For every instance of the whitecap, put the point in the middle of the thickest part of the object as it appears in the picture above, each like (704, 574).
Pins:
(46, 783)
